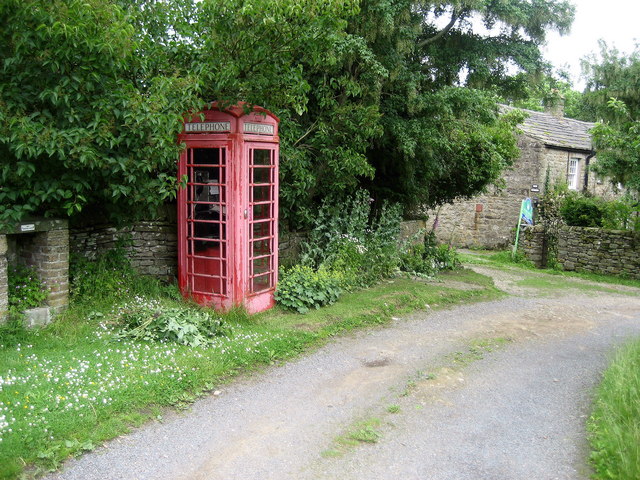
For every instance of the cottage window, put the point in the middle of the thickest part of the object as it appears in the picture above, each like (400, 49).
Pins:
(572, 173)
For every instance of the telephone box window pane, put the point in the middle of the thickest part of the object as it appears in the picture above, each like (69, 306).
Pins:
(261, 247)
(261, 265)
(208, 156)
(262, 229)
(206, 176)
(261, 175)
(261, 194)
(261, 212)
(207, 266)
(262, 157)
(261, 283)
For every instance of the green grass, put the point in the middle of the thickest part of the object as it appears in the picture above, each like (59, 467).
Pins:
(393, 408)
(476, 350)
(594, 277)
(615, 423)
(504, 259)
(66, 388)
(363, 432)
(556, 283)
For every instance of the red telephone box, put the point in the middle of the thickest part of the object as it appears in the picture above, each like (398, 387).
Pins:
(228, 211)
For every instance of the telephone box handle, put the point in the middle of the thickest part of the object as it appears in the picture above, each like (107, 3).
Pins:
(246, 213)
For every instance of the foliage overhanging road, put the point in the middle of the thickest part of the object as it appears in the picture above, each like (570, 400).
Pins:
(493, 390)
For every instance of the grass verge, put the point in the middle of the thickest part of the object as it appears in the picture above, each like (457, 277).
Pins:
(504, 259)
(66, 388)
(615, 422)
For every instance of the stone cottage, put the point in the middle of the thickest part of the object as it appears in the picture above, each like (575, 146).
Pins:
(548, 142)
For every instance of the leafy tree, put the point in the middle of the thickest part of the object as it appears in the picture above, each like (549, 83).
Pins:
(92, 95)
(487, 43)
(613, 92)
(442, 141)
(81, 122)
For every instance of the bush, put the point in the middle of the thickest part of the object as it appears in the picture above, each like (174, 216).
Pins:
(26, 290)
(428, 258)
(582, 211)
(109, 274)
(147, 319)
(302, 288)
(347, 237)
(622, 214)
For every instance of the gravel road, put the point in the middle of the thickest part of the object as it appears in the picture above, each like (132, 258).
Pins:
(515, 410)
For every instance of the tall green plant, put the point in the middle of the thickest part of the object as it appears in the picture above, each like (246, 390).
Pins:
(348, 237)
(550, 216)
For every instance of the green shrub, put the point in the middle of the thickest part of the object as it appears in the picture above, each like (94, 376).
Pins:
(147, 319)
(109, 274)
(428, 258)
(582, 211)
(347, 237)
(622, 214)
(302, 288)
(26, 290)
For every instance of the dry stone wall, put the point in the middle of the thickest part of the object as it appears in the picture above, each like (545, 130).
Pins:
(610, 252)
(151, 246)
(533, 244)
(582, 249)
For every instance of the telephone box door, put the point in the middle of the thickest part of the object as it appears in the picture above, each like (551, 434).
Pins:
(204, 225)
(262, 223)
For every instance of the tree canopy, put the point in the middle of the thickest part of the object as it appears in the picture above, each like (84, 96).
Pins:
(613, 95)
(398, 96)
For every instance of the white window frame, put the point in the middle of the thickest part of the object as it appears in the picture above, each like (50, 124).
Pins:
(573, 172)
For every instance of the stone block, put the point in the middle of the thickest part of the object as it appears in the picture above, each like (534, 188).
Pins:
(38, 317)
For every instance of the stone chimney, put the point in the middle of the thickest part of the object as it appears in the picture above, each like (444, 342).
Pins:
(554, 103)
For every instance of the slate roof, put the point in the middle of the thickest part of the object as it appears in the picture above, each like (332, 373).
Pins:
(558, 132)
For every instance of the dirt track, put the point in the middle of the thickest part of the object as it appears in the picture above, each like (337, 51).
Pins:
(495, 390)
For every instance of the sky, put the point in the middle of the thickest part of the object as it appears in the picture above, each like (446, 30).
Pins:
(615, 21)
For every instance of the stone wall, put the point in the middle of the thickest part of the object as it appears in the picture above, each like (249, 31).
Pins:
(533, 244)
(582, 249)
(489, 220)
(610, 252)
(290, 247)
(151, 246)
(44, 245)
(48, 253)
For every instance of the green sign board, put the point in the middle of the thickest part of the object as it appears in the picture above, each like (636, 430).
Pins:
(526, 214)
(526, 211)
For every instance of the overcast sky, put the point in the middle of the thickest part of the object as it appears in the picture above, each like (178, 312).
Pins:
(615, 21)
